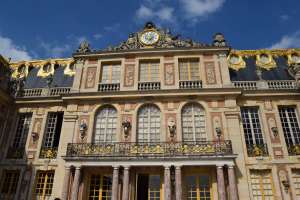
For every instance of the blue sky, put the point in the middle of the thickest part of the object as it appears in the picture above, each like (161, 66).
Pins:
(34, 29)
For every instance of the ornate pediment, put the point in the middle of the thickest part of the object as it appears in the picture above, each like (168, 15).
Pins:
(152, 37)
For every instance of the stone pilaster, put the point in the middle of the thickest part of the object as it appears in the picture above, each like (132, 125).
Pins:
(65, 188)
(75, 186)
(232, 183)
(221, 183)
(167, 183)
(178, 182)
(125, 195)
(115, 183)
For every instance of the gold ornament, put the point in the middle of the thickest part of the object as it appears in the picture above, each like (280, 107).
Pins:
(265, 60)
(236, 61)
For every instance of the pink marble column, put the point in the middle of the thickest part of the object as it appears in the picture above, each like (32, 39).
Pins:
(65, 188)
(125, 195)
(167, 183)
(221, 183)
(178, 184)
(75, 186)
(115, 183)
(232, 183)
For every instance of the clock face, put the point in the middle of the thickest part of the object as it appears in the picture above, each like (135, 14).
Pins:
(149, 37)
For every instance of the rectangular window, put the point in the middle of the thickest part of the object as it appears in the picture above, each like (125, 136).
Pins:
(9, 184)
(189, 69)
(149, 71)
(262, 185)
(198, 187)
(111, 73)
(253, 133)
(44, 184)
(148, 187)
(290, 125)
(52, 134)
(296, 181)
(22, 130)
(100, 187)
(17, 149)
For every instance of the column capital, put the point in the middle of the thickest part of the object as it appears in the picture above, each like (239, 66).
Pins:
(220, 165)
(116, 167)
(178, 167)
(67, 167)
(167, 166)
(126, 167)
(230, 166)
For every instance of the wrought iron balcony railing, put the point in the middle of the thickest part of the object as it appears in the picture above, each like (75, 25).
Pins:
(15, 152)
(48, 152)
(148, 150)
(256, 150)
(294, 149)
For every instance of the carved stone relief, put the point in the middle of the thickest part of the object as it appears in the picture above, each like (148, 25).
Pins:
(169, 74)
(129, 75)
(34, 137)
(210, 72)
(90, 77)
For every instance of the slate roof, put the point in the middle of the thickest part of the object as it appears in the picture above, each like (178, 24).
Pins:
(249, 74)
(59, 79)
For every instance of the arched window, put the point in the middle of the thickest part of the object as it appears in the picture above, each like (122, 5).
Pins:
(149, 124)
(106, 125)
(193, 123)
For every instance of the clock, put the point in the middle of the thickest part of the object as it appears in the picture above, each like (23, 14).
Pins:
(149, 37)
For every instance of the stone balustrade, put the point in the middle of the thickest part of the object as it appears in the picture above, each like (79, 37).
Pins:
(190, 84)
(44, 92)
(108, 87)
(148, 85)
(272, 85)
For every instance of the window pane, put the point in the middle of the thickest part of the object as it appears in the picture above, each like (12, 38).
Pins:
(193, 123)
(149, 124)
(149, 71)
(22, 130)
(106, 125)
(189, 69)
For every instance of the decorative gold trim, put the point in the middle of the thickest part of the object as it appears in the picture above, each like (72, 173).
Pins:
(289, 57)
(236, 66)
(63, 62)
(270, 64)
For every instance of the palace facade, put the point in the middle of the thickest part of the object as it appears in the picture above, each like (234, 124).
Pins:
(155, 117)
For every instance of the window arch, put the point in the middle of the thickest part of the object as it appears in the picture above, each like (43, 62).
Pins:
(106, 125)
(149, 124)
(193, 123)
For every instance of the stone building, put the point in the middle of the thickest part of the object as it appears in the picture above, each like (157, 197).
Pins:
(155, 117)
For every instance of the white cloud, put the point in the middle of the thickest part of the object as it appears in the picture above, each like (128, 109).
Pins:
(288, 41)
(200, 8)
(163, 13)
(54, 50)
(9, 49)
(97, 36)
(284, 17)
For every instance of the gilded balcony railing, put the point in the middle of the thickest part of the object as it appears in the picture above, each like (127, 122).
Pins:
(256, 150)
(294, 149)
(162, 149)
(48, 152)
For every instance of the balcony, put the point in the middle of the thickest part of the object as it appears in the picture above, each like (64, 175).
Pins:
(48, 152)
(271, 85)
(256, 150)
(44, 92)
(294, 149)
(149, 86)
(149, 150)
(108, 87)
(190, 84)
